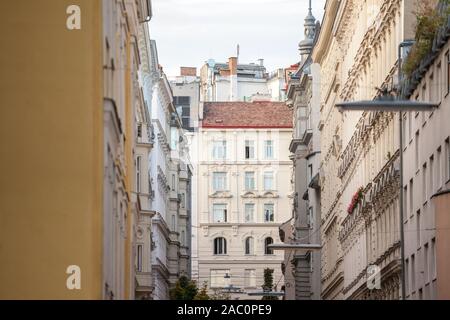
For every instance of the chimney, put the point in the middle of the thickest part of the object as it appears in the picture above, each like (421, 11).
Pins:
(232, 65)
(261, 62)
(188, 71)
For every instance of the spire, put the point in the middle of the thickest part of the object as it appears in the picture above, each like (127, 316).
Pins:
(306, 45)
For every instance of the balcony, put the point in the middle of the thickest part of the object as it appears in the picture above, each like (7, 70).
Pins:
(144, 285)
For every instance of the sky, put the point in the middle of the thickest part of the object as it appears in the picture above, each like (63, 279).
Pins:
(189, 32)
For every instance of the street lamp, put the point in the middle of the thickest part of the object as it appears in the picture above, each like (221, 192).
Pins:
(295, 246)
(391, 103)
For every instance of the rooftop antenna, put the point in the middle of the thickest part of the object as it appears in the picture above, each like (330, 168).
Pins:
(237, 51)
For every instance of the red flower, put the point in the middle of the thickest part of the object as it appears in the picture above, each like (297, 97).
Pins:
(355, 199)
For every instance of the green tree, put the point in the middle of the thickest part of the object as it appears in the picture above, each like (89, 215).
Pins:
(185, 289)
(268, 284)
(203, 293)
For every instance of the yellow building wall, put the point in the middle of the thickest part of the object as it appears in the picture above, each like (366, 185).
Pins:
(51, 124)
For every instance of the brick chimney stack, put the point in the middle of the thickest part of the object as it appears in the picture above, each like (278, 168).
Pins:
(188, 71)
(232, 65)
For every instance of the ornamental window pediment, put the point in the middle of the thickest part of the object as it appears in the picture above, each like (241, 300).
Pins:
(270, 194)
(221, 194)
(249, 194)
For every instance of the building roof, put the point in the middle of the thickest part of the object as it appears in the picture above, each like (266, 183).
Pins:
(258, 114)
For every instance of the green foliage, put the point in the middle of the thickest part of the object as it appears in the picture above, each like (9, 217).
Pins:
(428, 22)
(268, 284)
(203, 293)
(220, 295)
(185, 289)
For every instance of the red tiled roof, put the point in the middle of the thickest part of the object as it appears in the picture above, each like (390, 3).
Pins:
(258, 114)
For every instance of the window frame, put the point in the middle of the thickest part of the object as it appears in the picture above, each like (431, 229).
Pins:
(271, 215)
(246, 206)
(217, 176)
(219, 150)
(220, 246)
(268, 241)
(269, 175)
(270, 147)
(251, 175)
(224, 212)
(249, 150)
(249, 246)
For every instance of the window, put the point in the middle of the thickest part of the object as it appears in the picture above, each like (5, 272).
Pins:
(268, 149)
(139, 130)
(220, 213)
(250, 278)
(424, 182)
(438, 168)
(219, 181)
(413, 273)
(411, 196)
(447, 160)
(310, 173)
(183, 106)
(268, 241)
(268, 213)
(410, 127)
(438, 83)
(249, 149)
(431, 174)
(138, 174)
(404, 131)
(426, 271)
(249, 246)
(268, 181)
(447, 57)
(249, 181)
(407, 276)
(173, 222)
(220, 246)
(433, 259)
(249, 212)
(173, 182)
(416, 158)
(219, 150)
(139, 258)
(218, 279)
(405, 202)
(418, 228)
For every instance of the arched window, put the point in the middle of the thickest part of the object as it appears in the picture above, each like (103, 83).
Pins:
(220, 245)
(267, 242)
(249, 245)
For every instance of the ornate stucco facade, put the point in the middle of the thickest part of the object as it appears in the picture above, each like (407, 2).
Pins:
(242, 197)
(303, 92)
(357, 52)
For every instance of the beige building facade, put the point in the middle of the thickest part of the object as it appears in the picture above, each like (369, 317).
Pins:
(242, 196)
(426, 141)
(357, 52)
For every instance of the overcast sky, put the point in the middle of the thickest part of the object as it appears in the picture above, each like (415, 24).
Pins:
(189, 32)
